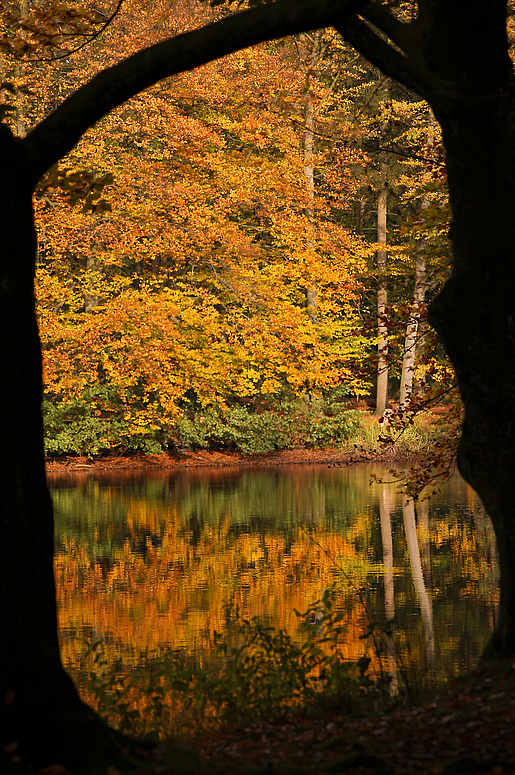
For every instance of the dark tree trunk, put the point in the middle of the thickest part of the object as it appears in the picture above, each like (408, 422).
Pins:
(475, 317)
(40, 709)
(455, 55)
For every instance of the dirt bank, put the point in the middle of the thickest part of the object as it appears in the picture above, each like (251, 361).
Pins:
(202, 458)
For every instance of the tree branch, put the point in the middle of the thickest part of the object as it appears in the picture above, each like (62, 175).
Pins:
(391, 62)
(397, 31)
(63, 128)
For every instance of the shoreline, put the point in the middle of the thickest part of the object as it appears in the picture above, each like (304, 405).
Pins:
(208, 459)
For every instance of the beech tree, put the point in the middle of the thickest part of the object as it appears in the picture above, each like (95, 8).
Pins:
(454, 55)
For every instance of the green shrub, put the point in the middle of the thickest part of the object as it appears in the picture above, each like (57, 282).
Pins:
(202, 430)
(333, 427)
(257, 433)
(95, 424)
(76, 429)
(234, 428)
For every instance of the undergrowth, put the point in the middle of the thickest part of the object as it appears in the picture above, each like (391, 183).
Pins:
(81, 428)
(261, 674)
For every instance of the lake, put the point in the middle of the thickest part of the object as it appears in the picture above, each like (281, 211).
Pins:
(147, 562)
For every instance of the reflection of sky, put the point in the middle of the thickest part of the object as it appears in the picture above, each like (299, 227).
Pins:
(170, 558)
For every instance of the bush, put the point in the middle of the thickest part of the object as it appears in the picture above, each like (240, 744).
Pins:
(76, 429)
(333, 427)
(257, 433)
(234, 428)
(81, 428)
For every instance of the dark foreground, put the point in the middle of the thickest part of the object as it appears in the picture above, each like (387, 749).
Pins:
(467, 728)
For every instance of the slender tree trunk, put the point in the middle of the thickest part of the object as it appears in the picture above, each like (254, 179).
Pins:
(21, 111)
(382, 327)
(413, 327)
(308, 168)
(91, 297)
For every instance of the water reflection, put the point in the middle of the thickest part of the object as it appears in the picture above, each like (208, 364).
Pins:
(424, 600)
(147, 561)
(386, 503)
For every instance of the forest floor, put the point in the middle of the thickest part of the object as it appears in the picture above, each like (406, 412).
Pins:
(466, 728)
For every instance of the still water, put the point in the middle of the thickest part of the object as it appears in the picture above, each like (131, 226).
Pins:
(157, 560)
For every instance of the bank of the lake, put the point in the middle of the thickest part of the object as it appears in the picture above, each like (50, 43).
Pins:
(366, 443)
(200, 458)
(284, 435)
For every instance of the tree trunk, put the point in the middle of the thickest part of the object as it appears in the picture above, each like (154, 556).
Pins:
(413, 327)
(41, 711)
(21, 110)
(382, 327)
(426, 607)
(91, 297)
(475, 316)
(308, 168)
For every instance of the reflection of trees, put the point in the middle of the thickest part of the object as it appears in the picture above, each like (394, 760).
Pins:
(424, 539)
(161, 558)
(426, 608)
(263, 501)
(177, 593)
(486, 541)
(385, 510)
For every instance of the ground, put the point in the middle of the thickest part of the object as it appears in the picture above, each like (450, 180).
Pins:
(201, 458)
(467, 728)
(196, 459)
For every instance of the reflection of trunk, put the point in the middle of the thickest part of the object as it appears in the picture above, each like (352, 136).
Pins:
(309, 170)
(408, 511)
(486, 540)
(425, 543)
(413, 328)
(385, 508)
(382, 329)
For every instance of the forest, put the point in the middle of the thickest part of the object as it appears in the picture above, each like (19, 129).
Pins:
(230, 258)
(268, 263)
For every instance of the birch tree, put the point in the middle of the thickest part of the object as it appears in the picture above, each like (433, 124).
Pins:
(382, 298)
